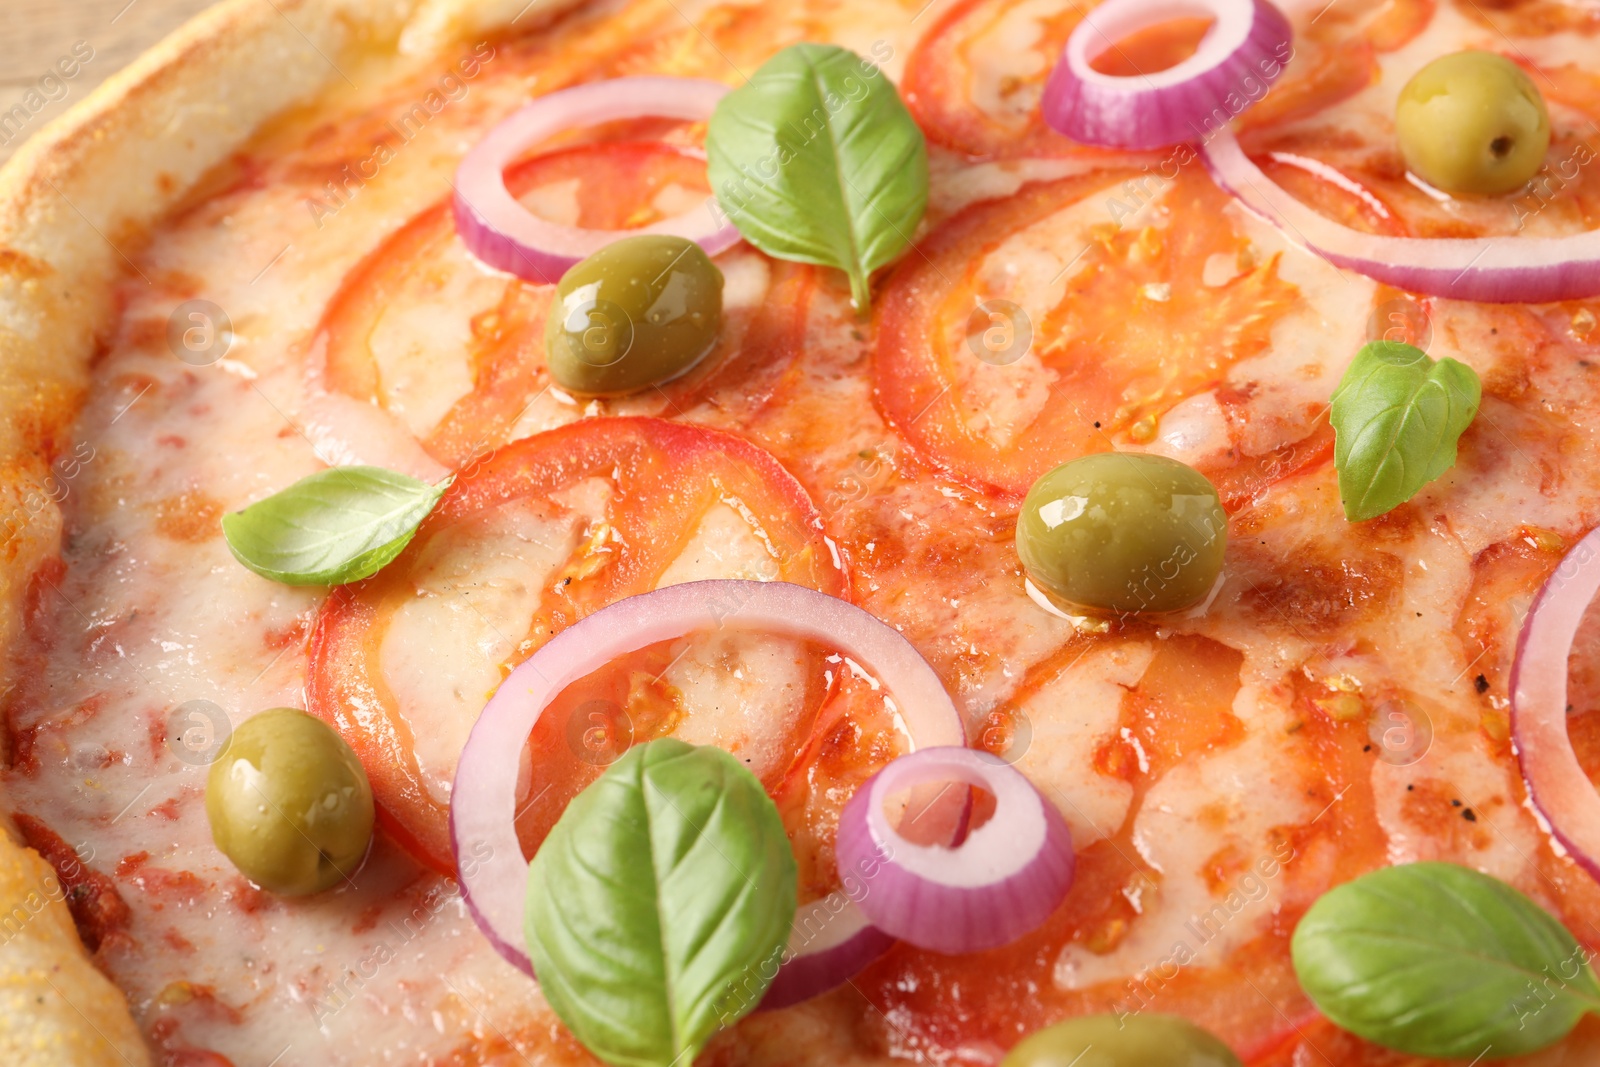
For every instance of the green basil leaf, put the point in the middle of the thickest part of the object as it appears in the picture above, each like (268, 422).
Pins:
(1396, 418)
(338, 525)
(816, 159)
(1438, 960)
(660, 903)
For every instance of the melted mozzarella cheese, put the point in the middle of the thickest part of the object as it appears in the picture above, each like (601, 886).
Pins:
(1069, 719)
(743, 693)
(477, 585)
(724, 545)
(1312, 343)
(1194, 430)
(420, 352)
(1031, 268)
(1005, 64)
(1232, 799)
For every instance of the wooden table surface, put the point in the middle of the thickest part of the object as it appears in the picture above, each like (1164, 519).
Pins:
(35, 34)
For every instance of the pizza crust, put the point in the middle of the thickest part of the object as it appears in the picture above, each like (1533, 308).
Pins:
(49, 989)
(439, 22)
(75, 202)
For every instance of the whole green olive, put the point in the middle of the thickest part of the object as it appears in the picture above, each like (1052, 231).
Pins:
(1472, 122)
(289, 803)
(1123, 531)
(637, 313)
(1122, 1041)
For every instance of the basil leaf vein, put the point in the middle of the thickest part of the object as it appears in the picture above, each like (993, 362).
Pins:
(338, 525)
(1438, 960)
(660, 903)
(816, 159)
(1397, 416)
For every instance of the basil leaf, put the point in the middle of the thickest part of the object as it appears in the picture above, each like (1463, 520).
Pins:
(659, 905)
(1396, 418)
(1438, 960)
(816, 159)
(338, 525)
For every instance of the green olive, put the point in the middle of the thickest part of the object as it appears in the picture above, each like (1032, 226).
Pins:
(289, 803)
(1123, 531)
(1122, 1041)
(1473, 122)
(637, 313)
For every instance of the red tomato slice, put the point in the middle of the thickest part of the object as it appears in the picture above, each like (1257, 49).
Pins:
(1336, 56)
(1532, 18)
(1181, 705)
(995, 113)
(1398, 22)
(664, 477)
(615, 186)
(1322, 73)
(1118, 345)
(941, 84)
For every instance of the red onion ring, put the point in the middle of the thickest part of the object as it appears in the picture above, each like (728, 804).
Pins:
(1242, 54)
(997, 885)
(493, 871)
(1492, 270)
(507, 236)
(1559, 789)
(831, 941)
(832, 938)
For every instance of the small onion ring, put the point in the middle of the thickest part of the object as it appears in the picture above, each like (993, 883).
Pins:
(832, 939)
(997, 885)
(507, 236)
(493, 871)
(1491, 270)
(1242, 53)
(1557, 785)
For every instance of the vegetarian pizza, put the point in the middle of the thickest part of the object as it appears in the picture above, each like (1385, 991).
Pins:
(1002, 532)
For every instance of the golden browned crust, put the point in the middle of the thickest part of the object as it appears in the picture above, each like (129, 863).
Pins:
(55, 1007)
(74, 204)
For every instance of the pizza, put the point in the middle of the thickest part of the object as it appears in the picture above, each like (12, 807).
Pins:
(978, 532)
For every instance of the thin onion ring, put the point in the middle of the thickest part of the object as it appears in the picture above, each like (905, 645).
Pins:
(997, 885)
(493, 870)
(1492, 270)
(1558, 787)
(504, 235)
(1239, 57)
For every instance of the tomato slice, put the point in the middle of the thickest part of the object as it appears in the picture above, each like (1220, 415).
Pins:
(1531, 18)
(648, 486)
(617, 185)
(418, 299)
(989, 113)
(1336, 53)
(1564, 198)
(1180, 707)
(1115, 329)
(975, 91)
